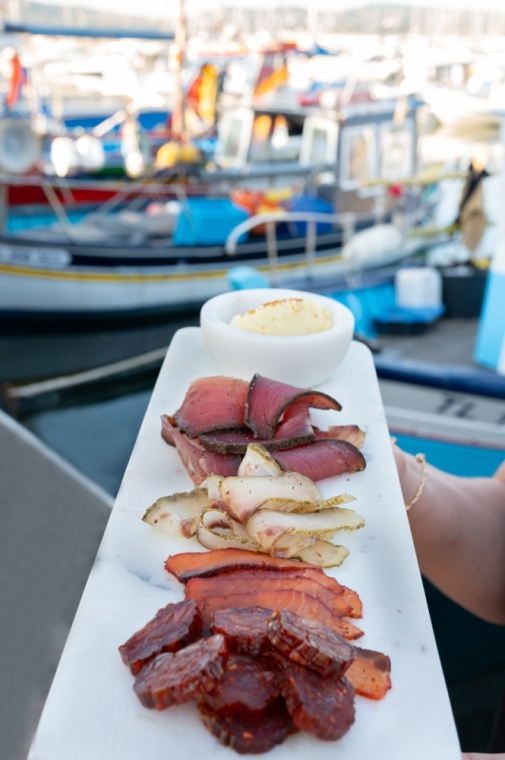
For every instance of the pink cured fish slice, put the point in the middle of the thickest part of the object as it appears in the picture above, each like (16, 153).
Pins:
(267, 400)
(292, 432)
(199, 463)
(295, 601)
(321, 459)
(350, 433)
(212, 403)
(167, 429)
(201, 588)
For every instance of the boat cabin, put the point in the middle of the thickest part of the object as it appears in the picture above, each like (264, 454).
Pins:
(355, 151)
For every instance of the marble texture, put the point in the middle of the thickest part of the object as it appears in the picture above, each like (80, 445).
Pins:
(92, 713)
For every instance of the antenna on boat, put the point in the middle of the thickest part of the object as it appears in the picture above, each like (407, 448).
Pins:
(178, 115)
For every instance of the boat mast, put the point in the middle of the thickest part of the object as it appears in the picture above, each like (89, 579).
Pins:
(178, 120)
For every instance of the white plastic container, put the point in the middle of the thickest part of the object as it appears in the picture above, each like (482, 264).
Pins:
(418, 287)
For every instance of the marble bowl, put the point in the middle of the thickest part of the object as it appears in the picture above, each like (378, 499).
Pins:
(302, 360)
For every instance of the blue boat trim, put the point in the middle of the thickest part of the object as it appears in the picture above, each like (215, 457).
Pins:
(453, 377)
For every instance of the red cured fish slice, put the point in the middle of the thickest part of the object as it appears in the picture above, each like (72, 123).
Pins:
(241, 583)
(225, 465)
(353, 600)
(219, 561)
(267, 400)
(296, 601)
(350, 433)
(190, 454)
(212, 403)
(198, 463)
(321, 459)
(370, 673)
(294, 432)
(167, 429)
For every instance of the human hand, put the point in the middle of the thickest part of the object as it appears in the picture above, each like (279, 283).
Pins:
(481, 756)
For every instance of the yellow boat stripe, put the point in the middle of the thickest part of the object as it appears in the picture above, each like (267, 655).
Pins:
(56, 274)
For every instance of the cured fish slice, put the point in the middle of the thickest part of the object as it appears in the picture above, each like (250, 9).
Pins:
(237, 441)
(241, 583)
(370, 673)
(225, 465)
(296, 601)
(217, 530)
(190, 455)
(350, 433)
(187, 565)
(258, 462)
(212, 483)
(270, 528)
(352, 598)
(321, 459)
(322, 706)
(303, 507)
(323, 554)
(172, 628)
(178, 514)
(267, 400)
(310, 643)
(292, 431)
(314, 573)
(167, 429)
(212, 403)
(243, 496)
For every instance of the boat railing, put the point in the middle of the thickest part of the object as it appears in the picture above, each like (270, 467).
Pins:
(270, 219)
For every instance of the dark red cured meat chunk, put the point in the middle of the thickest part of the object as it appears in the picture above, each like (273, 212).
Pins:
(321, 459)
(198, 462)
(309, 643)
(212, 403)
(248, 688)
(245, 737)
(171, 629)
(244, 628)
(188, 565)
(322, 706)
(267, 400)
(244, 583)
(173, 679)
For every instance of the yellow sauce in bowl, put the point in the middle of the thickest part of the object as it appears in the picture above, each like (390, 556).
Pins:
(289, 316)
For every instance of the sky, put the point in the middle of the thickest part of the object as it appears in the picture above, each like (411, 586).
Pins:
(162, 8)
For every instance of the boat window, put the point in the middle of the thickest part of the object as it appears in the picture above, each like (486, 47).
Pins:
(319, 146)
(396, 158)
(359, 156)
(274, 138)
(231, 143)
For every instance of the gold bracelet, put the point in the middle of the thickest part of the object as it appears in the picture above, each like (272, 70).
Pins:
(421, 458)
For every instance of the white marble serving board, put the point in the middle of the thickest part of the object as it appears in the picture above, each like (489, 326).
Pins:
(92, 712)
